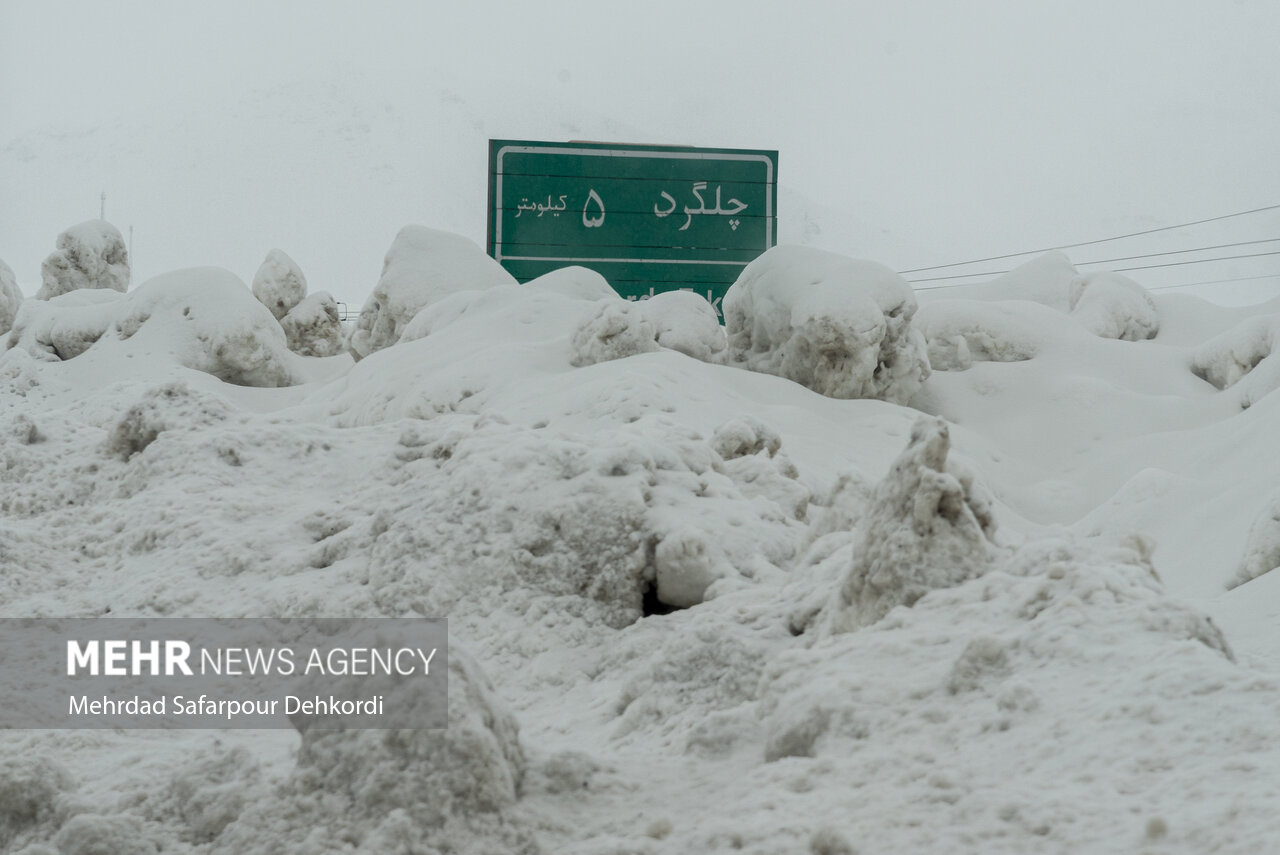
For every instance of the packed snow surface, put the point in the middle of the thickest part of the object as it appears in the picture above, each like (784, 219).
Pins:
(789, 590)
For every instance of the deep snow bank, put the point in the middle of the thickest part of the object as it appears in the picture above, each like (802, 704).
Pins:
(839, 326)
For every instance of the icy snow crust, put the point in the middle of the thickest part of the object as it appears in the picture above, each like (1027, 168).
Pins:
(693, 608)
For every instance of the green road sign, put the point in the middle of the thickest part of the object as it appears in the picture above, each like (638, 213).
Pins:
(647, 218)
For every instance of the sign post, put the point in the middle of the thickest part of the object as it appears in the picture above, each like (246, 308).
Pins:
(647, 218)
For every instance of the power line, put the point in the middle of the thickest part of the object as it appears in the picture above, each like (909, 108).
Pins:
(1180, 251)
(1117, 270)
(1217, 282)
(1194, 261)
(1089, 242)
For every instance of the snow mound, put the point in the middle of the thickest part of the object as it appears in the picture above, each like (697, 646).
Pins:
(928, 526)
(89, 255)
(63, 327)
(586, 526)
(962, 332)
(1262, 548)
(685, 322)
(1016, 664)
(611, 329)
(577, 283)
(838, 326)
(1113, 306)
(1242, 353)
(312, 327)
(1046, 279)
(422, 266)
(374, 791)
(203, 318)
(279, 284)
(10, 297)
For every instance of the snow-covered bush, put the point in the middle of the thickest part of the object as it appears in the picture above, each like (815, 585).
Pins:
(676, 320)
(962, 332)
(1262, 548)
(927, 526)
(839, 326)
(421, 266)
(279, 284)
(1242, 355)
(313, 326)
(66, 326)
(204, 318)
(611, 329)
(1113, 306)
(89, 255)
(686, 322)
(10, 297)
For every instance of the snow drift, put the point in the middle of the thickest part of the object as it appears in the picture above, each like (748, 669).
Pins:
(89, 255)
(839, 326)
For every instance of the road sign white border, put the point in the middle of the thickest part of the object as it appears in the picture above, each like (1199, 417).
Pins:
(622, 152)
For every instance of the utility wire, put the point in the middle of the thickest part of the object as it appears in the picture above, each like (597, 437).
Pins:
(1090, 242)
(1117, 270)
(1217, 282)
(1180, 251)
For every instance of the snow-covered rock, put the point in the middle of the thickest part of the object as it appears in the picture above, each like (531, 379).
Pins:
(839, 326)
(421, 266)
(927, 526)
(279, 284)
(89, 255)
(10, 297)
(1113, 306)
(313, 327)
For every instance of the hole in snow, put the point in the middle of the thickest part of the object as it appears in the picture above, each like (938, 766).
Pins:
(650, 605)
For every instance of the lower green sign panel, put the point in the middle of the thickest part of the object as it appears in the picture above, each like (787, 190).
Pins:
(647, 218)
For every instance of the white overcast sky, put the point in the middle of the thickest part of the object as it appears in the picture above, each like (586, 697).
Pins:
(968, 128)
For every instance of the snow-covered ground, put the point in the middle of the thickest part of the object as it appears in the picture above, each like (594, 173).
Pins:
(694, 605)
